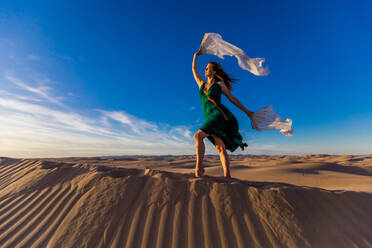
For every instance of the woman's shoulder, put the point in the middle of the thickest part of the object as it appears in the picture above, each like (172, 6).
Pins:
(220, 82)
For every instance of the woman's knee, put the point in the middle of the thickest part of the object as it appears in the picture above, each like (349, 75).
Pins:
(200, 135)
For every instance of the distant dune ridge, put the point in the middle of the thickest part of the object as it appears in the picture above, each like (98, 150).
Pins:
(274, 201)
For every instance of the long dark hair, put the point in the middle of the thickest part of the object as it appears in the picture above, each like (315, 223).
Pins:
(222, 75)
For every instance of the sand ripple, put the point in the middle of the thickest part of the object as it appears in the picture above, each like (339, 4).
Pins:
(78, 204)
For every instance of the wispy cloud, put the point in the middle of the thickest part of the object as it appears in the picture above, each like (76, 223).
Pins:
(33, 57)
(48, 131)
(31, 127)
(135, 124)
(42, 90)
(52, 117)
(17, 96)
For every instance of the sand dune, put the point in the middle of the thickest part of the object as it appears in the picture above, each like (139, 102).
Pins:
(143, 202)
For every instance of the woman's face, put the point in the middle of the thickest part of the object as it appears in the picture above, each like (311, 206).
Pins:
(209, 72)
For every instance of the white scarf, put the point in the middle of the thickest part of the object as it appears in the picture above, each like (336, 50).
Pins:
(267, 119)
(213, 44)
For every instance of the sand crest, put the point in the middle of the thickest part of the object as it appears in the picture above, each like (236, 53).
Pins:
(142, 202)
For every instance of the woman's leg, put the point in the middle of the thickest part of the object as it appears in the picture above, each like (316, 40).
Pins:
(220, 146)
(200, 149)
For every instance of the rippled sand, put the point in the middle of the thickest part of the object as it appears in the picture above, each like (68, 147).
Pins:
(273, 201)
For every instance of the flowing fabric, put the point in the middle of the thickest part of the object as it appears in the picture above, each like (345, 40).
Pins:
(213, 44)
(267, 119)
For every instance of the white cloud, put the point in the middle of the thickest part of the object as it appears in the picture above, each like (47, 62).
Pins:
(59, 118)
(29, 127)
(33, 57)
(41, 90)
(33, 130)
(21, 97)
(137, 125)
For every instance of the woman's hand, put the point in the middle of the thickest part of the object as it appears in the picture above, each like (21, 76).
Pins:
(250, 114)
(200, 51)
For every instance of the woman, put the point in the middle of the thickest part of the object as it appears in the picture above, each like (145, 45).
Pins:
(220, 126)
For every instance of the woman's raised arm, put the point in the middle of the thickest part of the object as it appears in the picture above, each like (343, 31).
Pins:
(197, 76)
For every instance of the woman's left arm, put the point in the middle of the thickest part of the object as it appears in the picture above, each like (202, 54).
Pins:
(232, 99)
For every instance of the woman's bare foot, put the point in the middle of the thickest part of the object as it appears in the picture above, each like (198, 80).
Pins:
(199, 172)
(227, 176)
(223, 178)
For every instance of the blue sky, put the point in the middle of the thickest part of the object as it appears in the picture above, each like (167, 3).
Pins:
(90, 78)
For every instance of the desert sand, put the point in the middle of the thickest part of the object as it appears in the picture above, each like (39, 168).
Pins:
(141, 201)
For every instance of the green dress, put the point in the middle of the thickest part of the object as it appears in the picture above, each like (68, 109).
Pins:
(219, 120)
